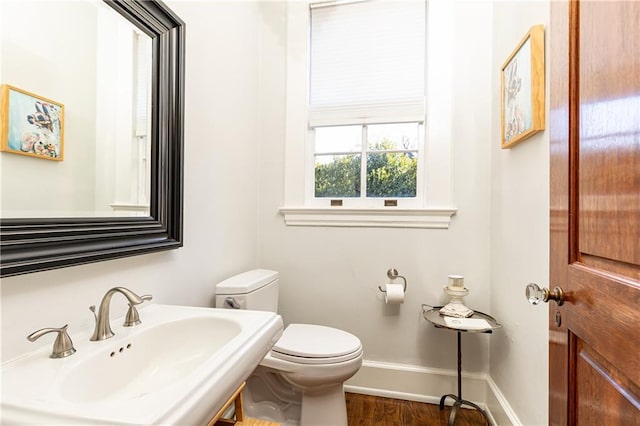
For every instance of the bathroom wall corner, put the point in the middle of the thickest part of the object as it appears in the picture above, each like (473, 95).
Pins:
(518, 367)
(498, 407)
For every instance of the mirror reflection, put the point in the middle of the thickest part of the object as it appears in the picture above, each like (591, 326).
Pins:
(86, 57)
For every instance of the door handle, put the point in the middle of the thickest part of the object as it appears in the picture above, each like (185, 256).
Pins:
(535, 294)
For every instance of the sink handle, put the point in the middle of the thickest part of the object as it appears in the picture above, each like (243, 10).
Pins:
(62, 346)
(133, 318)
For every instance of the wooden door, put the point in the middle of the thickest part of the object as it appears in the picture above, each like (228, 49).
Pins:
(594, 352)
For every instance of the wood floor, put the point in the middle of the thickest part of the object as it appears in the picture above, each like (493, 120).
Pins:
(366, 410)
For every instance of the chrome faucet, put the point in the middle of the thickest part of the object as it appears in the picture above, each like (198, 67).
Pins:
(103, 325)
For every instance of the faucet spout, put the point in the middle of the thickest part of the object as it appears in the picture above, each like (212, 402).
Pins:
(103, 324)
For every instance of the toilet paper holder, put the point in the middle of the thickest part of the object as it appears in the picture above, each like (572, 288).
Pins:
(393, 274)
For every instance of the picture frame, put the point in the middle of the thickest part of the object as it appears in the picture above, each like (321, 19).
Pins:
(30, 124)
(522, 98)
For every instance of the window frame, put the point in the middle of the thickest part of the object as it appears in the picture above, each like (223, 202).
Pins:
(433, 207)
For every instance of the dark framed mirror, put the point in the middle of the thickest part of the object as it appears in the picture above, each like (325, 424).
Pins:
(43, 243)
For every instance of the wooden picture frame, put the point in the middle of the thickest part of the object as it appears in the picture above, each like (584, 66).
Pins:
(30, 124)
(522, 103)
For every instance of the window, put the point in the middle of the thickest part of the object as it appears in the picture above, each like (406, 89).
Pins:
(366, 100)
(359, 129)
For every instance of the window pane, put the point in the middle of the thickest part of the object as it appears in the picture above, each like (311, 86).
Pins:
(392, 174)
(392, 136)
(337, 176)
(338, 139)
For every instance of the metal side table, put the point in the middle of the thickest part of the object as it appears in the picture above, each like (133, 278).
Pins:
(433, 315)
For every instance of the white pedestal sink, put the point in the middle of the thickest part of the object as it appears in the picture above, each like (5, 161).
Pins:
(178, 367)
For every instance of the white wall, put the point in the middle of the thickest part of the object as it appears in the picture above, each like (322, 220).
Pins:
(520, 233)
(220, 198)
(330, 275)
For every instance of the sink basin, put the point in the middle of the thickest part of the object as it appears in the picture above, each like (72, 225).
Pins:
(132, 372)
(178, 367)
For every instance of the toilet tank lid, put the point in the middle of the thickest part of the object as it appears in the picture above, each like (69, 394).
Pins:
(246, 282)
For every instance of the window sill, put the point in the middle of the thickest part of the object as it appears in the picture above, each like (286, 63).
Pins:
(433, 218)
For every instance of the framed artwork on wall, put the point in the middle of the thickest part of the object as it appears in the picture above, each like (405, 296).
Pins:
(30, 124)
(522, 105)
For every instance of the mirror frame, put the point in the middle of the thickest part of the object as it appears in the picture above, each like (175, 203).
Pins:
(31, 245)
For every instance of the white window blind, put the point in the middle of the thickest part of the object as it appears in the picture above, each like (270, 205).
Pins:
(367, 62)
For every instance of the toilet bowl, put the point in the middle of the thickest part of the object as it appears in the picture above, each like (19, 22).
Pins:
(304, 373)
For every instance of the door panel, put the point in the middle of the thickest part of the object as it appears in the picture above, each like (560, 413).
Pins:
(604, 314)
(594, 353)
(609, 125)
(599, 377)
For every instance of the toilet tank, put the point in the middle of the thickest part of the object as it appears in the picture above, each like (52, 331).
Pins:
(256, 290)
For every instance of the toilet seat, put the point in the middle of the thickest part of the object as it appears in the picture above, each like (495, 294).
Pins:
(316, 344)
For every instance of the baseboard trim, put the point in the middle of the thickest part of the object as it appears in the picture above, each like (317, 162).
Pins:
(498, 404)
(424, 384)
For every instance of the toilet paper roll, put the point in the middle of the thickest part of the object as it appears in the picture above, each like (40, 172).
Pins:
(394, 293)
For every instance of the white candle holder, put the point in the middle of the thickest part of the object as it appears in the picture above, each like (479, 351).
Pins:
(455, 307)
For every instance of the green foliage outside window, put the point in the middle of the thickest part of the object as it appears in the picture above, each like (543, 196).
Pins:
(339, 178)
(389, 174)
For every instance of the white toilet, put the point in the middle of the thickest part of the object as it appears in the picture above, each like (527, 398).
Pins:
(304, 373)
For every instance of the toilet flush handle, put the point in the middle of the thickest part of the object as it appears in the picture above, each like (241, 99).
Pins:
(230, 302)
